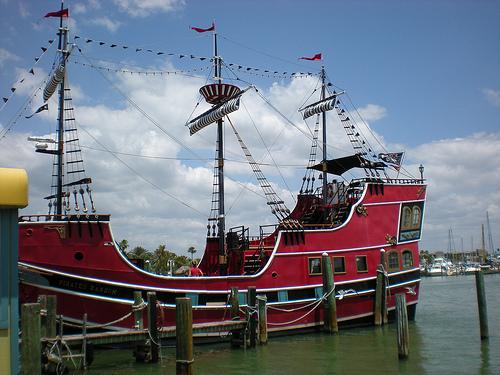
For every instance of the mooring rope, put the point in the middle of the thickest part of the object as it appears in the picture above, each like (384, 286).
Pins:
(315, 305)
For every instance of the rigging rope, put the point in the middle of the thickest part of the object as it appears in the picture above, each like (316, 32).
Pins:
(145, 114)
(278, 206)
(153, 73)
(142, 177)
(269, 150)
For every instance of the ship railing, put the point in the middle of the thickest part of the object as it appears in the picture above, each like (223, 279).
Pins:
(62, 218)
(401, 181)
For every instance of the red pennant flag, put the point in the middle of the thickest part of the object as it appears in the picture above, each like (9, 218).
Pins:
(315, 57)
(60, 13)
(200, 30)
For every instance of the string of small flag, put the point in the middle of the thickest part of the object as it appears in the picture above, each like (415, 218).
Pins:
(261, 72)
(31, 71)
(269, 73)
(142, 72)
(20, 113)
(139, 49)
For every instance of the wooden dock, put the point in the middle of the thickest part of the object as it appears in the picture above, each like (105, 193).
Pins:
(133, 335)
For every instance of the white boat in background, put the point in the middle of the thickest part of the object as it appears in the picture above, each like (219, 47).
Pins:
(440, 267)
(471, 267)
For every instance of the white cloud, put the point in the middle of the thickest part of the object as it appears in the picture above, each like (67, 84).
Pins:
(79, 8)
(6, 56)
(143, 8)
(492, 96)
(372, 112)
(23, 10)
(463, 174)
(107, 23)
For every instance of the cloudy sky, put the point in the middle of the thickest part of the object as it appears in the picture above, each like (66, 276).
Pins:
(422, 74)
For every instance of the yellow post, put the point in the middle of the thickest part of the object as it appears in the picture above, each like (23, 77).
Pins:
(13, 195)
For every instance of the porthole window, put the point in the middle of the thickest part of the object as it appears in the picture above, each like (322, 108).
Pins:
(407, 258)
(78, 256)
(361, 263)
(393, 261)
(314, 266)
(339, 264)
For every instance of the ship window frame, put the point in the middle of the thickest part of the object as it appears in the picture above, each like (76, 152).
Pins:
(406, 218)
(310, 269)
(416, 217)
(390, 256)
(366, 264)
(335, 272)
(403, 263)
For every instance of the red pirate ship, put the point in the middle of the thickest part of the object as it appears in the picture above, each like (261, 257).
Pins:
(71, 252)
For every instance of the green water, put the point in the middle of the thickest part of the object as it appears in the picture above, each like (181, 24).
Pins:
(444, 339)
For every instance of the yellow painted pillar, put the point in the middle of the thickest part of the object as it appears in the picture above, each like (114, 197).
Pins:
(13, 195)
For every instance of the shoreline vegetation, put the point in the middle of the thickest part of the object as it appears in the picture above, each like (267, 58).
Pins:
(160, 261)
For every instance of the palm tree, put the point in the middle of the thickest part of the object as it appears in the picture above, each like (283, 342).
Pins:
(192, 250)
(161, 257)
(139, 252)
(123, 244)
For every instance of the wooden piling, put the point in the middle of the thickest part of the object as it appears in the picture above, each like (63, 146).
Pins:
(377, 320)
(138, 319)
(84, 342)
(252, 319)
(152, 327)
(481, 304)
(235, 315)
(184, 336)
(329, 304)
(402, 326)
(261, 302)
(49, 319)
(31, 361)
(384, 266)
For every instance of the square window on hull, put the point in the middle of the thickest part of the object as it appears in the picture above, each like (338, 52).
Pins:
(339, 264)
(361, 263)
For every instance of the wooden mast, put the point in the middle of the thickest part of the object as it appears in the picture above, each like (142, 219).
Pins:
(323, 115)
(221, 219)
(62, 46)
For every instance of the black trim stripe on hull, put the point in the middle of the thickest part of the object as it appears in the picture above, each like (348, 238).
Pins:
(94, 289)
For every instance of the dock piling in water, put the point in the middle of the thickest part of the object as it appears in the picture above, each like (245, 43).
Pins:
(402, 326)
(31, 361)
(252, 320)
(137, 308)
(379, 297)
(152, 327)
(261, 301)
(481, 304)
(48, 306)
(235, 315)
(329, 304)
(184, 336)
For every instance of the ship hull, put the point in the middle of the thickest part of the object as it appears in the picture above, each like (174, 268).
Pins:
(80, 263)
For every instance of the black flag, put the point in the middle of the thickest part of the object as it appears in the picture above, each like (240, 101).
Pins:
(44, 107)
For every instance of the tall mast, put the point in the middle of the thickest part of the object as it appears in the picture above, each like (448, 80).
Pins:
(220, 160)
(62, 46)
(323, 115)
(483, 243)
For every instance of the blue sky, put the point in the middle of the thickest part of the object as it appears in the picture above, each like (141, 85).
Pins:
(428, 68)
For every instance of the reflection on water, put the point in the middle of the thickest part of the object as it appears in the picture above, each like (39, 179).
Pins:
(443, 340)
